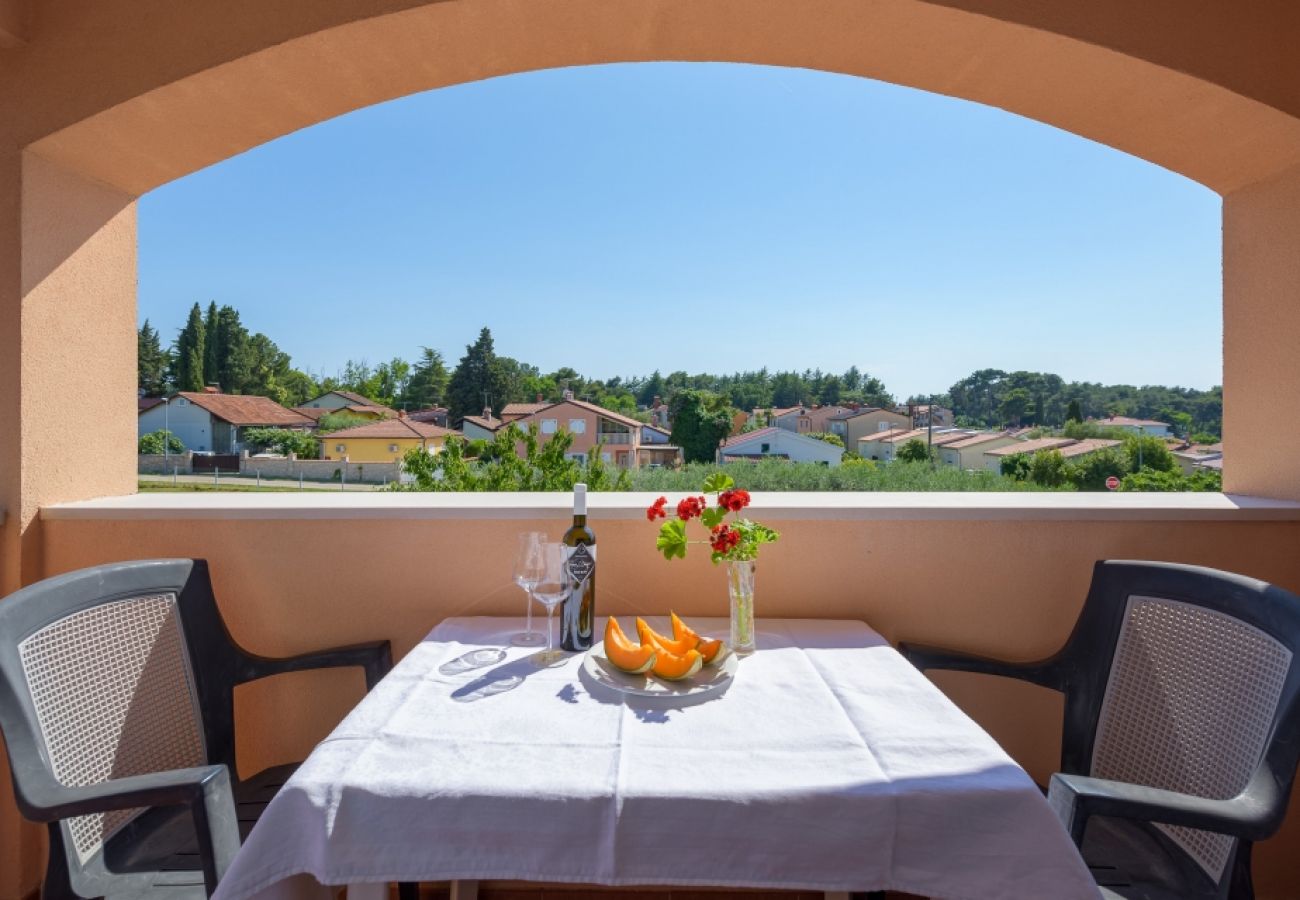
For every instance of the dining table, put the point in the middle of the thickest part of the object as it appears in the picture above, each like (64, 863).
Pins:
(825, 762)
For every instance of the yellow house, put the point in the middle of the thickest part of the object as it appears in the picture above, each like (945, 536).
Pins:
(387, 440)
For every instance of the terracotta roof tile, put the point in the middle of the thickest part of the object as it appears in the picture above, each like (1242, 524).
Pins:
(1030, 446)
(489, 424)
(1091, 445)
(391, 429)
(243, 409)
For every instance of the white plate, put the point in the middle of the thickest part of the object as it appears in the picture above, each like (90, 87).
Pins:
(708, 680)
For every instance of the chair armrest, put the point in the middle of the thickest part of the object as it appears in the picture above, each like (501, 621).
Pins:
(204, 789)
(1044, 672)
(1077, 798)
(375, 657)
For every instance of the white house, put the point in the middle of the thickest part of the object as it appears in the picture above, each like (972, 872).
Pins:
(214, 422)
(779, 443)
(1147, 427)
(968, 453)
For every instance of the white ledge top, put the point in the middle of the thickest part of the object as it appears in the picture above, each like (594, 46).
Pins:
(776, 506)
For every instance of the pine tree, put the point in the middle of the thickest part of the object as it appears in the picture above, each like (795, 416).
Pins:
(211, 346)
(477, 381)
(188, 354)
(152, 362)
(428, 383)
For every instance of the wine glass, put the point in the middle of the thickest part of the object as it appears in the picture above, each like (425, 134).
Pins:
(528, 571)
(550, 589)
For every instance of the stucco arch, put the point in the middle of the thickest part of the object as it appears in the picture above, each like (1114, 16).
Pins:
(1190, 125)
(103, 100)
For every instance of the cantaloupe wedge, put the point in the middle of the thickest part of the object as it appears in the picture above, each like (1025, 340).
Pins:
(671, 667)
(624, 654)
(710, 649)
(675, 646)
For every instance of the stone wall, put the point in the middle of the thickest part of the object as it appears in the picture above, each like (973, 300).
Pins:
(158, 464)
(319, 469)
(289, 468)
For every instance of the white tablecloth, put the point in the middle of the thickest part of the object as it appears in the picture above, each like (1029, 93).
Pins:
(830, 764)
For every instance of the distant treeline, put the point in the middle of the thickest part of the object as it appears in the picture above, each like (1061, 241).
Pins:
(214, 347)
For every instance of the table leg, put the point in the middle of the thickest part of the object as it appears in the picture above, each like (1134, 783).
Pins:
(464, 890)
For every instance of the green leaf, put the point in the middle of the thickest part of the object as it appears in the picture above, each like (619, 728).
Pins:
(672, 539)
(718, 482)
(713, 516)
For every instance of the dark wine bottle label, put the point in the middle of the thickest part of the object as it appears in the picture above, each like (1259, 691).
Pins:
(578, 613)
(582, 563)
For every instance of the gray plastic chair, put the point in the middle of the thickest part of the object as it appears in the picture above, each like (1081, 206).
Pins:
(1182, 725)
(117, 708)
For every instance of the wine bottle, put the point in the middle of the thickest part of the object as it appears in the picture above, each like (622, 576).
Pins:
(578, 615)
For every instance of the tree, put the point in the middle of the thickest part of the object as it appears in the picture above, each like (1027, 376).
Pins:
(427, 385)
(826, 436)
(700, 424)
(285, 441)
(1073, 413)
(1016, 406)
(1015, 466)
(154, 441)
(916, 450)
(1049, 468)
(477, 381)
(340, 421)
(211, 345)
(788, 389)
(1149, 453)
(189, 353)
(230, 355)
(152, 361)
(515, 460)
(1090, 472)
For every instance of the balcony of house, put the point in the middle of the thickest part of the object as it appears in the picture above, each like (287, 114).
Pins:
(998, 575)
(91, 125)
(614, 436)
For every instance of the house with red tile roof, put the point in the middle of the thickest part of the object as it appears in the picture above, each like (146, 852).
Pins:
(210, 421)
(384, 440)
(779, 443)
(349, 401)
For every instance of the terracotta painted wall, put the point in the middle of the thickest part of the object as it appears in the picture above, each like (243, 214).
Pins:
(1006, 588)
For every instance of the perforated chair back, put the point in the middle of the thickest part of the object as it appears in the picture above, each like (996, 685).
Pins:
(113, 692)
(109, 672)
(1184, 678)
(1189, 707)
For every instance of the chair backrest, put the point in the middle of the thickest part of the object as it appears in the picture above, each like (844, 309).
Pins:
(1184, 678)
(99, 680)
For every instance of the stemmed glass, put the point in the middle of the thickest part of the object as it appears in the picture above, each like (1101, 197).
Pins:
(528, 572)
(550, 589)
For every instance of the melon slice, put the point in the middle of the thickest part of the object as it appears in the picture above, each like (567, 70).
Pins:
(624, 654)
(676, 646)
(672, 667)
(710, 650)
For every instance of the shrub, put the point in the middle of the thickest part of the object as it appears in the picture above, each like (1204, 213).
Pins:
(283, 440)
(1154, 480)
(1049, 469)
(160, 441)
(916, 450)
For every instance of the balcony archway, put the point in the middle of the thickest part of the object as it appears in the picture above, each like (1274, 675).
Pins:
(99, 105)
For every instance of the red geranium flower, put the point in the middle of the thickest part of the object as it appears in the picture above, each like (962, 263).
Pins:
(656, 509)
(690, 508)
(724, 539)
(734, 500)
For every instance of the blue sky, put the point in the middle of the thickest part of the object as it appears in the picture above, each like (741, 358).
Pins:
(716, 218)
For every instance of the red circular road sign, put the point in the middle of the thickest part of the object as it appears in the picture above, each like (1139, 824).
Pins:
(1111, 483)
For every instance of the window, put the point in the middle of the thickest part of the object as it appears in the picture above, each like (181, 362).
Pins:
(882, 426)
(604, 457)
(578, 426)
(181, 401)
(549, 426)
(339, 448)
(766, 448)
(392, 448)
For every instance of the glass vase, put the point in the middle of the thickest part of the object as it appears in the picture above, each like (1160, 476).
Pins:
(740, 584)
